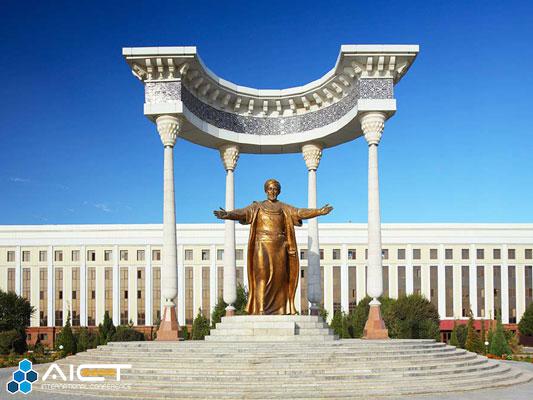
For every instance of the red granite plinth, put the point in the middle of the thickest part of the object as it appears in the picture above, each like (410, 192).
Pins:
(375, 326)
(169, 327)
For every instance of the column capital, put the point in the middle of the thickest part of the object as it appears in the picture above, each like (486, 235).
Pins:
(229, 154)
(372, 124)
(168, 127)
(312, 153)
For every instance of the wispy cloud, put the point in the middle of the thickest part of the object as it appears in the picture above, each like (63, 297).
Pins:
(18, 179)
(103, 207)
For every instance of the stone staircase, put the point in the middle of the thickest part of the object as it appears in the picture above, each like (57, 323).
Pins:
(303, 359)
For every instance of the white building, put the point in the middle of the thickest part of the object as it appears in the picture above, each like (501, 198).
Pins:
(90, 269)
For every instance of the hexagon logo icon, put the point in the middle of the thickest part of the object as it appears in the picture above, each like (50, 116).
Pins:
(22, 379)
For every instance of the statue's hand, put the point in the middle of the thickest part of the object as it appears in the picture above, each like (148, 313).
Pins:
(326, 209)
(221, 214)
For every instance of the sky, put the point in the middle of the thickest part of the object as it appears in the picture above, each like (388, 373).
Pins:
(77, 149)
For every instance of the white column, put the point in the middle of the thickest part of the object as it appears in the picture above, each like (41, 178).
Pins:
(245, 268)
(393, 281)
(328, 290)
(372, 125)
(229, 154)
(441, 276)
(83, 286)
(361, 289)
(116, 287)
(18, 272)
(181, 287)
(505, 285)
(425, 281)
(213, 279)
(168, 127)
(51, 287)
(457, 292)
(409, 275)
(345, 284)
(148, 279)
(472, 281)
(312, 154)
(520, 291)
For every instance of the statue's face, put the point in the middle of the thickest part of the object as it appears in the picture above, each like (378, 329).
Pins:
(272, 192)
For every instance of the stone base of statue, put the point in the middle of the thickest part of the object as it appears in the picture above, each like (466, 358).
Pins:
(375, 326)
(169, 327)
(268, 328)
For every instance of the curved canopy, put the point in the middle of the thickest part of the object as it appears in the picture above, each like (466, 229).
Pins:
(217, 111)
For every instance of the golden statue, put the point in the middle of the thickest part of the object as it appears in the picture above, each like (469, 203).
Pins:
(273, 266)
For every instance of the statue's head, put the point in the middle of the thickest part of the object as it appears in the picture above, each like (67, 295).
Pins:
(272, 189)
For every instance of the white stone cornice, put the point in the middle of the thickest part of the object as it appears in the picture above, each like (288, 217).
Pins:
(312, 153)
(168, 127)
(372, 125)
(229, 154)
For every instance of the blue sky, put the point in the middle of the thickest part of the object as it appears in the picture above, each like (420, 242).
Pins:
(76, 147)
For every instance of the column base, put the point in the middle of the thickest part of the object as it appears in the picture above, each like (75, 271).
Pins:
(375, 326)
(314, 310)
(230, 311)
(169, 327)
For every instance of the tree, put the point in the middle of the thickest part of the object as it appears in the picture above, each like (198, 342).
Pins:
(125, 333)
(240, 306)
(411, 317)
(66, 342)
(106, 329)
(356, 319)
(454, 341)
(200, 327)
(498, 344)
(85, 339)
(473, 341)
(525, 326)
(15, 315)
(483, 336)
(339, 324)
(461, 335)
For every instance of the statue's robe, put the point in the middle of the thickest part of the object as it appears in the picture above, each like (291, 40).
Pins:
(273, 265)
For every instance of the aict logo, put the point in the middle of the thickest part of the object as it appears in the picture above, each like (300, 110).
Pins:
(23, 377)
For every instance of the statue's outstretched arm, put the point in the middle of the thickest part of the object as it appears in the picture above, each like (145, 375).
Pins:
(236, 215)
(306, 213)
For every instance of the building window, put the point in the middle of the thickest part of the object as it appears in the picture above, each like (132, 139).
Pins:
(10, 256)
(417, 254)
(11, 279)
(321, 251)
(448, 254)
(26, 283)
(43, 297)
(401, 254)
(91, 255)
(239, 254)
(385, 254)
(220, 254)
(511, 279)
(123, 255)
(75, 296)
(465, 292)
(352, 288)
(496, 254)
(336, 254)
(75, 256)
(511, 254)
(480, 254)
(42, 256)
(401, 281)
(108, 293)
(465, 254)
(433, 254)
(448, 287)
(91, 301)
(58, 297)
(434, 285)
(188, 255)
(336, 289)
(124, 319)
(205, 255)
(26, 256)
(108, 254)
(206, 304)
(141, 313)
(351, 254)
(58, 255)
(366, 254)
(189, 285)
(480, 291)
(140, 255)
(385, 278)
(156, 255)
(417, 279)
(303, 254)
(156, 294)
(528, 254)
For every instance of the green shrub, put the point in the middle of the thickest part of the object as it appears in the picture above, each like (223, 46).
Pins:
(240, 306)
(339, 324)
(85, 339)
(454, 341)
(66, 342)
(356, 320)
(15, 314)
(185, 333)
(411, 317)
(200, 327)
(525, 326)
(125, 333)
(498, 344)
(473, 341)
(106, 329)
(462, 333)
(8, 340)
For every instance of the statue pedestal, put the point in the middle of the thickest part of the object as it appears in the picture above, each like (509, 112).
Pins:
(375, 326)
(271, 328)
(168, 328)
